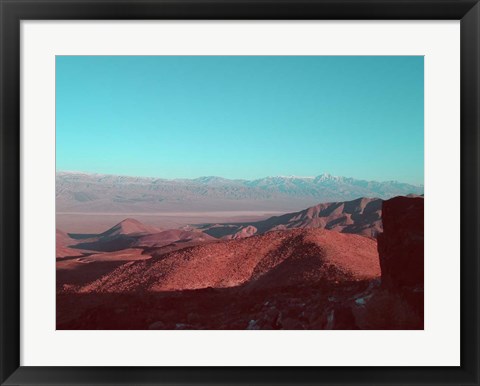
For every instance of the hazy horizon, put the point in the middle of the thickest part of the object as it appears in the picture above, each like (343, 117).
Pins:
(226, 178)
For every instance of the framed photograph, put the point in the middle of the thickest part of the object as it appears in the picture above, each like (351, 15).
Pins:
(236, 192)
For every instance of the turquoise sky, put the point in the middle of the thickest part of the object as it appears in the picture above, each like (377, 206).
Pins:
(241, 116)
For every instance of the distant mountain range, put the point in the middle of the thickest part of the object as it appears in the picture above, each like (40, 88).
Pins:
(81, 192)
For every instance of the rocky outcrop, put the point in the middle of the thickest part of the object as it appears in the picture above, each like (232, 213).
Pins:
(398, 302)
(400, 246)
(244, 232)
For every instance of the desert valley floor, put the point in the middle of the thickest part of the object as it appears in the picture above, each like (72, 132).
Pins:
(342, 265)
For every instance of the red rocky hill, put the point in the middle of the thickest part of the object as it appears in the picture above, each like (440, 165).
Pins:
(275, 259)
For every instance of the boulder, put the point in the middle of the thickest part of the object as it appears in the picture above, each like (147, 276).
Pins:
(401, 245)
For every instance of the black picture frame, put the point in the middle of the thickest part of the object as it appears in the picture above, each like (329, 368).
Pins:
(13, 11)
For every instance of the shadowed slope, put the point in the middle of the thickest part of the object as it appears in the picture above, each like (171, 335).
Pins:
(131, 233)
(77, 271)
(170, 236)
(360, 216)
(121, 236)
(130, 227)
(63, 244)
